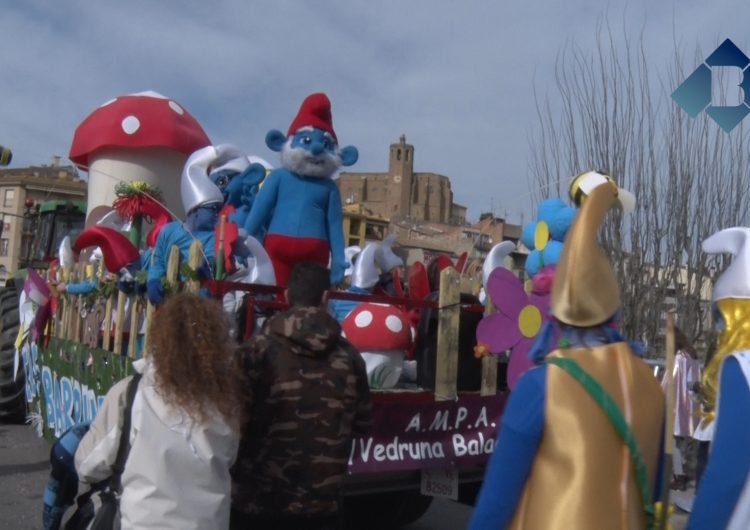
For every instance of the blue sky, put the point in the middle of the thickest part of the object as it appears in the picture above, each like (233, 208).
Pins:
(457, 78)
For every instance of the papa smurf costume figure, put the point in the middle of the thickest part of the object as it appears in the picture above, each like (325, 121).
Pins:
(559, 460)
(202, 201)
(299, 202)
(723, 497)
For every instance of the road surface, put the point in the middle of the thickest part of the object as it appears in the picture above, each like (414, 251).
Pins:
(24, 468)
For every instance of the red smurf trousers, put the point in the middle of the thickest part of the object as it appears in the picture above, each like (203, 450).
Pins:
(286, 251)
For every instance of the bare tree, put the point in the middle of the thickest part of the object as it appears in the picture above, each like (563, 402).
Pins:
(690, 178)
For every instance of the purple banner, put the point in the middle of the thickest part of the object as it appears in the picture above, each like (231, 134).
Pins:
(429, 435)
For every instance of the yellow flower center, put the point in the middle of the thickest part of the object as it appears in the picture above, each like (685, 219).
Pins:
(530, 321)
(541, 235)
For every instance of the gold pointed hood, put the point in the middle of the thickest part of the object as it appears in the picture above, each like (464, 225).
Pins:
(585, 292)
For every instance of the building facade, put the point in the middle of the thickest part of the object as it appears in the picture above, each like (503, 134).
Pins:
(401, 193)
(21, 188)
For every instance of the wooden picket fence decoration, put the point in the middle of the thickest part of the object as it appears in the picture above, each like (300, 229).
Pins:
(136, 313)
(121, 311)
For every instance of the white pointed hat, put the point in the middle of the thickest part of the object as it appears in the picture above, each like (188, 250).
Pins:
(385, 258)
(229, 157)
(262, 270)
(65, 254)
(195, 187)
(349, 254)
(365, 274)
(734, 282)
(496, 258)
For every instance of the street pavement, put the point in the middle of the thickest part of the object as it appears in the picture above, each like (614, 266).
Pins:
(24, 469)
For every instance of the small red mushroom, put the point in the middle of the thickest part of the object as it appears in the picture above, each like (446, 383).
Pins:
(144, 136)
(383, 335)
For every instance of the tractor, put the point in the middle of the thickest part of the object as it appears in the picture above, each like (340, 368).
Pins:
(44, 227)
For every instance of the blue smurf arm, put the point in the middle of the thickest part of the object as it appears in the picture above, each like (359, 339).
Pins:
(264, 203)
(729, 462)
(336, 235)
(84, 287)
(517, 445)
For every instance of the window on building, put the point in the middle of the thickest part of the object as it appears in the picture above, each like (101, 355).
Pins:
(3, 247)
(10, 196)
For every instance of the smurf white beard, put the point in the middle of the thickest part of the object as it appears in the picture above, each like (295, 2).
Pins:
(303, 163)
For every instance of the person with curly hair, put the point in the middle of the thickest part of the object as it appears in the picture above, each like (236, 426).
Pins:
(185, 423)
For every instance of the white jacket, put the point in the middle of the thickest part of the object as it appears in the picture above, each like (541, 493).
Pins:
(177, 472)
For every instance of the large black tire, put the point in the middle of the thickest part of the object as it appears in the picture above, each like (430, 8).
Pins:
(12, 391)
(384, 511)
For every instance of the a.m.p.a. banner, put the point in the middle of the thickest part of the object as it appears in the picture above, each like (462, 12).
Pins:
(429, 435)
(66, 383)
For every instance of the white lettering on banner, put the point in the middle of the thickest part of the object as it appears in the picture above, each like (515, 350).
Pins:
(395, 451)
(441, 435)
(461, 416)
(474, 446)
(440, 423)
(481, 419)
(414, 423)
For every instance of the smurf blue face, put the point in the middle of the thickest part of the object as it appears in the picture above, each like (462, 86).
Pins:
(223, 178)
(204, 218)
(316, 141)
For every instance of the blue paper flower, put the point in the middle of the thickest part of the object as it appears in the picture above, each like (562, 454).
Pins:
(545, 236)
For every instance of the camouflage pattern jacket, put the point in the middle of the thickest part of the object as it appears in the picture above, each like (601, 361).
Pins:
(308, 397)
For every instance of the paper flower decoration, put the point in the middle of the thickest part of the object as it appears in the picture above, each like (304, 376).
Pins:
(515, 324)
(545, 236)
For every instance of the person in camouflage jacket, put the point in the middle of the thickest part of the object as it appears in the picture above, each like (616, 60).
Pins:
(308, 397)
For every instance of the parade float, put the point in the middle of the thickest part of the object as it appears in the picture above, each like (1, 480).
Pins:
(432, 435)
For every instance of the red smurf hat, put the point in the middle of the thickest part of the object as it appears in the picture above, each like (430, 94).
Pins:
(117, 249)
(314, 112)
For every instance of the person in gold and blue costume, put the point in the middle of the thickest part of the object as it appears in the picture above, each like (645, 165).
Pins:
(579, 443)
(723, 497)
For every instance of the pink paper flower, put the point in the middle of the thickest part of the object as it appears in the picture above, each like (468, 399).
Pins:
(515, 324)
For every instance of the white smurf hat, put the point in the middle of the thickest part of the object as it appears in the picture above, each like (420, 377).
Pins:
(195, 187)
(496, 258)
(365, 274)
(734, 282)
(385, 258)
(350, 253)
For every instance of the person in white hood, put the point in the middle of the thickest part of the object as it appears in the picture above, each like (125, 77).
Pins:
(185, 420)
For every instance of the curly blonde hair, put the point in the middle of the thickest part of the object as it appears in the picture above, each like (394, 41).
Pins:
(196, 360)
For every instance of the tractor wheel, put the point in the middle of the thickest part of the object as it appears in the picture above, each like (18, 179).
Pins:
(12, 391)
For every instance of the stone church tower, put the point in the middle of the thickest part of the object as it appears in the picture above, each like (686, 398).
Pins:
(401, 193)
(400, 179)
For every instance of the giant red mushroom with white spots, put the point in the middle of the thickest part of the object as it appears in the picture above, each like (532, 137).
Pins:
(144, 136)
(383, 335)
